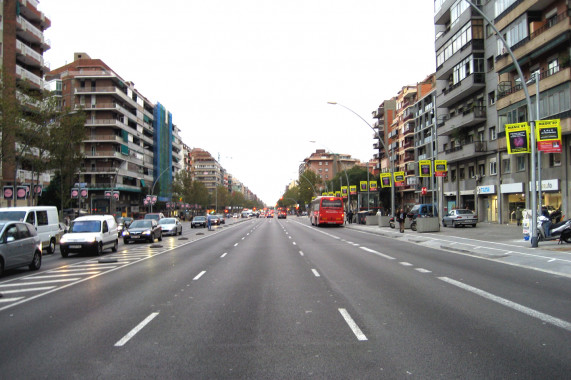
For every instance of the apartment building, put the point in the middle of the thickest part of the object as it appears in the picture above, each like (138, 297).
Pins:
(466, 112)
(22, 45)
(425, 145)
(384, 116)
(206, 169)
(129, 140)
(539, 34)
(326, 165)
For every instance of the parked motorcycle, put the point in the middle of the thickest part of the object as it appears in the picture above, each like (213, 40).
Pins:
(558, 231)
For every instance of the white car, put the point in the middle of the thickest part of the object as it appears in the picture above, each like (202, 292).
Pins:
(90, 233)
(171, 226)
(43, 218)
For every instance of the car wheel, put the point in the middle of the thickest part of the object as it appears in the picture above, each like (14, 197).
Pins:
(64, 252)
(99, 249)
(413, 226)
(51, 248)
(161, 236)
(1, 267)
(473, 226)
(453, 225)
(36, 261)
(115, 246)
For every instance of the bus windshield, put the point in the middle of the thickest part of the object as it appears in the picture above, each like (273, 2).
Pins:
(331, 203)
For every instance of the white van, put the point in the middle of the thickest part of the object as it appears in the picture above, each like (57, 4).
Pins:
(93, 233)
(43, 218)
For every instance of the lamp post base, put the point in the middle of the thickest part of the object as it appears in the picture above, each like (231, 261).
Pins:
(534, 242)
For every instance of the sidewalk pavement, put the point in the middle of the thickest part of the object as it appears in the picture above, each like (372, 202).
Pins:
(492, 241)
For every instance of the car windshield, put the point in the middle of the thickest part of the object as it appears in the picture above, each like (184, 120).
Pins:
(167, 221)
(463, 212)
(85, 226)
(152, 216)
(199, 218)
(13, 215)
(141, 224)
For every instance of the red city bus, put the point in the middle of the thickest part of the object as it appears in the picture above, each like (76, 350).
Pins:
(327, 210)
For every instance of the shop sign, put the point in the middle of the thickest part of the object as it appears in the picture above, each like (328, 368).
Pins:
(547, 185)
(509, 188)
(491, 189)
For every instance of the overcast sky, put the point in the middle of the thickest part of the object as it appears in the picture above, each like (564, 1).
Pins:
(249, 80)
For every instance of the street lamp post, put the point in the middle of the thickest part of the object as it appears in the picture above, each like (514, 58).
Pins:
(384, 147)
(534, 239)
(154, 183)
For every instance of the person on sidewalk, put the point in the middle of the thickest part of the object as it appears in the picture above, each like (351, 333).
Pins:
(401, 218)
(350, 216)
(518, 216)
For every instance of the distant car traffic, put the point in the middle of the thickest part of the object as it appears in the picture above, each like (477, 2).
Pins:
(20, 245)
(155, 215)
(171, 226)
(143, 230)
(460, 217)
(214, 220)
(198, 221)
(221, 218)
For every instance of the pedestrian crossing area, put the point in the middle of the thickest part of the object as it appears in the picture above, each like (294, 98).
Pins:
(22, 289)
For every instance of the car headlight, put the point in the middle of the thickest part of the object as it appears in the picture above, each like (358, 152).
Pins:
(125, 233)
(63, 239)
(91, 239)
(147, 232)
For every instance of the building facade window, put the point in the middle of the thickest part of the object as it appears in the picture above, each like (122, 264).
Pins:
(492, 133)
(521, 162)
(506, 165)
(554, 159)
(482, 170)
(493, 168)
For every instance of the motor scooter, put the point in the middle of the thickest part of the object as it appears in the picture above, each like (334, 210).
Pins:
(558, 231)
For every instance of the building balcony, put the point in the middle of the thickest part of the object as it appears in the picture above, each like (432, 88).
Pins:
(466, 118)
(508, 94)
(28, 32)
(103, 138)
(29, 56)
(29, 8)
(24, 74)
(106, 90)
(408, 129)
(445, 70)
(468, 86)
(466, 151)
(537, 43)
(103, 154)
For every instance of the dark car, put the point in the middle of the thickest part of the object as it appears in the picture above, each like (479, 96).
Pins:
(143, 230)
(20, 246)
(122, 223)
(282, 215)
(214, 220)
(198, 221)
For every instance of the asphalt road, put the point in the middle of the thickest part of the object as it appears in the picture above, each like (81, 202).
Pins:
(269, 298)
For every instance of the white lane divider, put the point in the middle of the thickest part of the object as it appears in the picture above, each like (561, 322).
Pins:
(512, 305)
(315, 272)
(199, 275)
(352, 325)
(137, 328)
(377, 253)
(235, 245)
(301, 253)
(422, 270)
(404, 263)
(223, 255)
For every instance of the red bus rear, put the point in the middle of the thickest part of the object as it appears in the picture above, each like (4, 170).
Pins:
(327, 210)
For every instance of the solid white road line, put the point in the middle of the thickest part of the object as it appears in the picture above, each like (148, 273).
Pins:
(377, 253)
(199, 275)
(352, 325)
(27, 290)
(315, 273)
(512, 305)
(138, 328)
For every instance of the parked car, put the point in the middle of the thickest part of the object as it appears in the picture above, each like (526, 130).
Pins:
(198, 221)
(90, 233)
(43, 218)
(460, 217)
(143, 230)
(171, 226)
(20, 245)
(154, 215)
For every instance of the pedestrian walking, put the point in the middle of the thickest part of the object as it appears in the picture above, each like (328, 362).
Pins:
(518, 216)
(350, 216)
(209, 222)
(401, 217)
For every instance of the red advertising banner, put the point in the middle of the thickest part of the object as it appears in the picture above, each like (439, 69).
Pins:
(553, 146)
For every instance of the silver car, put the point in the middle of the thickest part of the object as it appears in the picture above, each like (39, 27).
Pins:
(171, 226)
(460, 217)
(20, 245)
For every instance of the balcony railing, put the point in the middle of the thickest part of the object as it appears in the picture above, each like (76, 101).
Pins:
(506, 89)
(25, 74)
